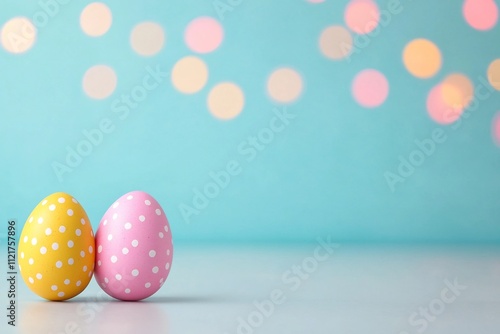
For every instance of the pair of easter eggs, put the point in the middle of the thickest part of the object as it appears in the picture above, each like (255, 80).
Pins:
(130, 255)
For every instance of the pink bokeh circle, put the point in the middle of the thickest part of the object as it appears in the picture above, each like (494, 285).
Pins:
(496, 129)
(480, 14)
(362, 16)
(204, 34)
(370, 88)
(439, 110)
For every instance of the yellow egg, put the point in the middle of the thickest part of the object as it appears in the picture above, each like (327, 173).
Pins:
(57, 248)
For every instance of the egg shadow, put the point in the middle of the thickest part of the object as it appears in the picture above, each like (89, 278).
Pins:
(92, 315)
(215, 299)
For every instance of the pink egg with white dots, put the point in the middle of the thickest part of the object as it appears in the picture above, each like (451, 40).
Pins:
(134, 247)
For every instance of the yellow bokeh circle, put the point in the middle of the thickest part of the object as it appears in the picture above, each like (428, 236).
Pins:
(422, 58)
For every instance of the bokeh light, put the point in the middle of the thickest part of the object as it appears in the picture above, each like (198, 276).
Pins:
(189, 75)
(335, 42)
(457, 91)
(147, 38)
(18, 35)
(422, 58)
(284, 85)
(494, 74)
(204, 35)
(496, 128)
(96, 19)
(99, 82)
(226, 101)
(370, 88)
(480, 14)
(438, 109)
(362, 16)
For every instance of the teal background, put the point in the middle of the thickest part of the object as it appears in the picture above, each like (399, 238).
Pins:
(324, 174)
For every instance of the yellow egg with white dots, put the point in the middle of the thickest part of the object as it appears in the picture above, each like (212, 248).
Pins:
(57, 248)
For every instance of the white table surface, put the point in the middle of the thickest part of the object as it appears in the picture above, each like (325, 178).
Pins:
(357, 289)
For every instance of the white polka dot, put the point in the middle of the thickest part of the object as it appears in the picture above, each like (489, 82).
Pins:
(70, 243)
(31, 280)
(58, 264)
(85, 268)
(67, 281)
(114, 259)
(71, 261)
(99, 263)
(39, 276)
(91, 249)
(33, 241)
(31, 219)
(115, 205)
(99, 249)
(44, 202)
(161, 280)
(78, 283)
(82, 221)
(74, 200)
(69, 212)
(62, 229)
(127, 290)
(54, 287)
(82, 254)
(128, 226)
(106, 280)
(26, 238)
(155, 269)
(152, 253)
(160, 235)
(52, 207)
(105, 222)
(125, 250)
(147, 202)
(40, 220)
(78, 232)
(115, 215)
(43, 250)
(129, 197)
(118, 277)
(158, 212)
(99, 82)
(165, 228)
(147, 285)
(135, 272)
(110, 236)
(168, 252)
(55, 246)
(31, 261)
(167, 266)
(22, 255)
(142, 218)
(135, 243)
(60, 294)
(61, 200)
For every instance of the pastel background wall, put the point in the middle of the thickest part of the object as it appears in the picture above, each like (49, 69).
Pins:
(258, 120)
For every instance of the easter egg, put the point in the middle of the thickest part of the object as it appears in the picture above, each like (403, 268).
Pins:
(56, 248)
(134, 247)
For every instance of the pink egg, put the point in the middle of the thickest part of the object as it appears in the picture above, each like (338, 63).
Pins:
(134, 247)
